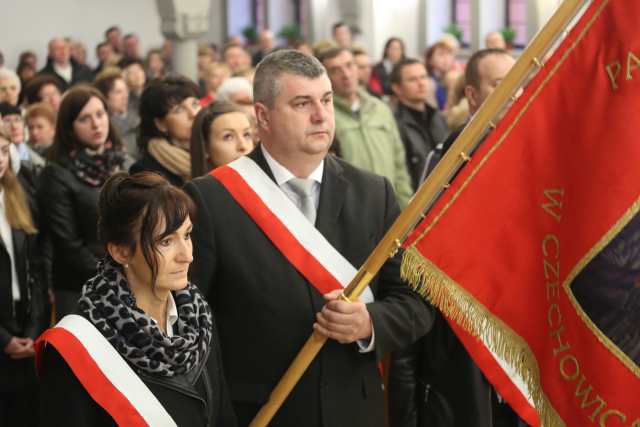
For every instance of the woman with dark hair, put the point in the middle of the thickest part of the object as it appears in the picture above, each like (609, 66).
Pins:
(221, 133)
(26, 72)
(21, 297)
(393, 53)
(167, 109)
(149, 330)
(154, 64)
(86, 151)
(44, 88)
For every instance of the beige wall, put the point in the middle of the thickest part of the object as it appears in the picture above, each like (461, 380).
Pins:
(29, 24)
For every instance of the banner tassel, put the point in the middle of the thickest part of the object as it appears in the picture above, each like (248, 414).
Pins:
(458, 305)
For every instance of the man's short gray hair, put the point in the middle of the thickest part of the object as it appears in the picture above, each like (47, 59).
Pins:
(231, 86)
(266, 82)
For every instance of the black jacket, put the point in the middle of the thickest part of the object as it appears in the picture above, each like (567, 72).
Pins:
(28, 177)
(69, 217)
(25, 319)
(79, 73)
(435, 383)
(265, 308)
(198, 398)
(149, 163)
(420, 140)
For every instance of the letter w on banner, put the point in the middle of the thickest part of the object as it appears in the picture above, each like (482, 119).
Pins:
(535, 247)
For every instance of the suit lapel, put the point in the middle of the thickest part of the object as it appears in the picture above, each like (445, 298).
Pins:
(19, 253)
(332, 196)
(18, 243)
(3, 247)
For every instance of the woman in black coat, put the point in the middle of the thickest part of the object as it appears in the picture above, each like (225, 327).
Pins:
(148, 314)
(86, 151)
(21, 298)
(167, 109)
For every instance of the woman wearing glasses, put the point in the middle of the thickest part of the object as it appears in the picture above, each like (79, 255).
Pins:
(167, 109)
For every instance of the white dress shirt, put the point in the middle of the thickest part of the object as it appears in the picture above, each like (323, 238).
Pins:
(7, 238)
(172, 315)
(65, 72)
(282, 175)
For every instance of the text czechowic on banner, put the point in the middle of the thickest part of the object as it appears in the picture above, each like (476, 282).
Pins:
(535, 247)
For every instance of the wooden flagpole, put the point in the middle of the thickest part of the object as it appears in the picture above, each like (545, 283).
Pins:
(428, 192)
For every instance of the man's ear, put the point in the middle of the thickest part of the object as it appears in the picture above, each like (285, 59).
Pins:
(161, 125)
(472, 97)
(120, 253)
(262, 116)
(395, 88)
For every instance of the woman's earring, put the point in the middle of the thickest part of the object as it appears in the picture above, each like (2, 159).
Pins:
(126, 266)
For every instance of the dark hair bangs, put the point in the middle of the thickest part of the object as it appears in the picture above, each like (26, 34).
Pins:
(171, 207)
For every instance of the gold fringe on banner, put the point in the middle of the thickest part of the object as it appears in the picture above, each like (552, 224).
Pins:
(457, 304)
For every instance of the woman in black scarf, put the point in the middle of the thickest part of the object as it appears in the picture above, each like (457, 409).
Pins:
(142, 348)
(167, 109)
(86, 151)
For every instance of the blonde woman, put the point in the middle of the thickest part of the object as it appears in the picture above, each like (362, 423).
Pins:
(20, 297)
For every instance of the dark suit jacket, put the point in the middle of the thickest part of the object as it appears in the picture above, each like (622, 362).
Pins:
(265, 308)
(24, 319)
(79, 73)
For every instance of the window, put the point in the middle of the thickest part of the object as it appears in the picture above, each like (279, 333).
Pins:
(461, 16)
(516, 18)
(300, 10)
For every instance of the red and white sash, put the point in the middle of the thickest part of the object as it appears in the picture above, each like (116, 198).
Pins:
(105, 375)
(287, 228)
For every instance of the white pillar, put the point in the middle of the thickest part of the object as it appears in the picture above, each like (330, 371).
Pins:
(183, 22)
(217, 22)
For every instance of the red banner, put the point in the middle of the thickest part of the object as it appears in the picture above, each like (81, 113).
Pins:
(532, 248)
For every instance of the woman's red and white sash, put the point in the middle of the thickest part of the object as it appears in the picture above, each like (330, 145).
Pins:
(105, 375)
(287, 228)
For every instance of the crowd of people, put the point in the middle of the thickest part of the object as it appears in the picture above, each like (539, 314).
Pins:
(113, 188)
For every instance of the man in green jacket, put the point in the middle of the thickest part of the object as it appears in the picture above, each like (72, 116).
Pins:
(366, 130)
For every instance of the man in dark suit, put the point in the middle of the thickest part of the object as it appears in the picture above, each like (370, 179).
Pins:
(264, 307)
(61, 65)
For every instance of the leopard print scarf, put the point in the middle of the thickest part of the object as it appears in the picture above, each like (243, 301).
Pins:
(108, 303)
